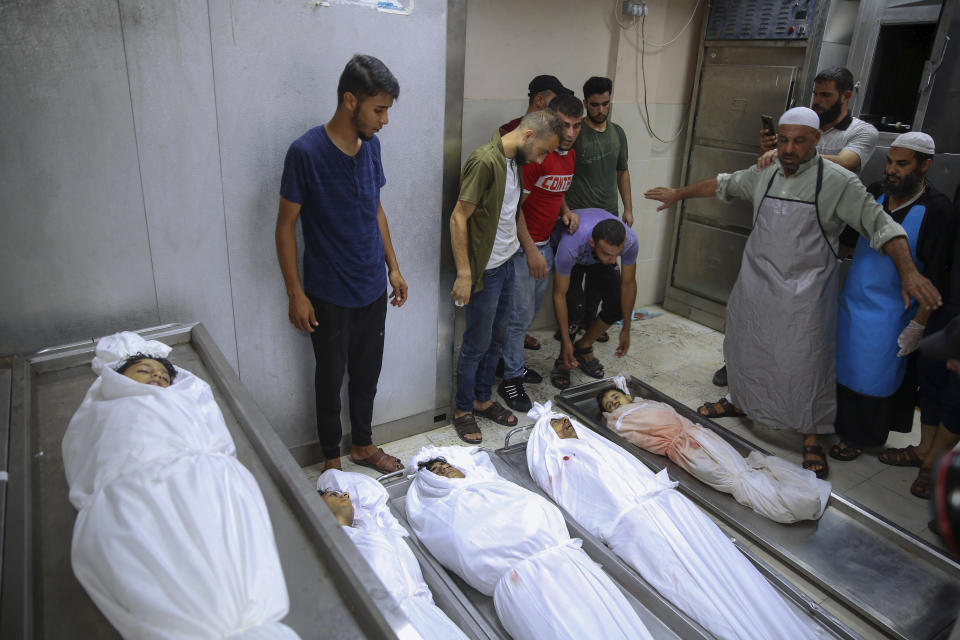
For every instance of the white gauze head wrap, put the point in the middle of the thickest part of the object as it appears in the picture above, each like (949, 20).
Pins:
(800, 115)
(119, 346)
(915, 141)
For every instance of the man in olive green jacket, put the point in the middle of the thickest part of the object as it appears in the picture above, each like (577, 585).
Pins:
(483, 231)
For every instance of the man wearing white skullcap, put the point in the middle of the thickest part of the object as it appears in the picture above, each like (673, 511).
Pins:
(780, 343)
(876, 388)
(846, 140)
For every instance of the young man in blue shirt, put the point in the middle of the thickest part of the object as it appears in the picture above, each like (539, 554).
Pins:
(332, 178)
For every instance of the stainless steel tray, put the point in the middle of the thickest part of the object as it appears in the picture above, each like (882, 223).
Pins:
(661, 618)
(333, 593)
(896, 581)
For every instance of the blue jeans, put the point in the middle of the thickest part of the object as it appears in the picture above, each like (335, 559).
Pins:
(487, 315)
(527, 297)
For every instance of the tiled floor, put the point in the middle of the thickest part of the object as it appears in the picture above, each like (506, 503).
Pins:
(678, 357)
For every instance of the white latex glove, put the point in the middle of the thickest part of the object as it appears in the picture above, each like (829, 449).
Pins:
(909, 338)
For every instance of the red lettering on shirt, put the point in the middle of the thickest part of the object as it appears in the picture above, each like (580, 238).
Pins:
(546, 184)
(554, 183)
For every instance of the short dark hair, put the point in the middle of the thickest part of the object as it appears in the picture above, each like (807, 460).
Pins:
(426, 464)
(595, 85)
(841, 78)
(921, 157)
(137, 357)
(365, 76)
(568, 105)
(611, 231)
(543, 123)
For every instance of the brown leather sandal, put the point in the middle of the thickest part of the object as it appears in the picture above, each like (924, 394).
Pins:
(381, 461)
(467, 425)
(921, 487)
(498, 413)
(905, 457)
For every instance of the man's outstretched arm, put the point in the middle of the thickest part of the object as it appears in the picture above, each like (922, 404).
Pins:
(668, 196)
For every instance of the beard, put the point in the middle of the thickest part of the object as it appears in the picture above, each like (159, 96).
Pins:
(830, 115)
(363, 135)
(522, 156)
(905, 187)
(599, 118)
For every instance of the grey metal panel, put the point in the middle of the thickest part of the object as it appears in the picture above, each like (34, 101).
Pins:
(74, 256)
(707, 162)
(708, 260)
(452, 148)
(6, 380)
(898, 582)
(170, 69)
(732, 97)
(333, 593)
(841, 20)
(276, 68)
(940, 84)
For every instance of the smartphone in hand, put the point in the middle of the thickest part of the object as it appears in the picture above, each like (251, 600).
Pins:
(766, 123)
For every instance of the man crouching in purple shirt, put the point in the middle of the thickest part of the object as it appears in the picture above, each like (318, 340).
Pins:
(600, 239)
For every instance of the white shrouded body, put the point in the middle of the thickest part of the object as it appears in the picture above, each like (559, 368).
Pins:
(671, 543)
(172, 538)
(380, 539)
(512, 544)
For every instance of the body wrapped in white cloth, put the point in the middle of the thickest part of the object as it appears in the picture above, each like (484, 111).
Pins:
(512, 544)
(380, 539)
(672, 544)
(771, 486)
(172, 538)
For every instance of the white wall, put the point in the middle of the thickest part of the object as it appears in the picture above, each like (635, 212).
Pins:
(141, 158)
(509, 42)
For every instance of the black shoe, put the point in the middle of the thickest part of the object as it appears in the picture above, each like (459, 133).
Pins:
(531, 377)
(720, 377)
(512, 392)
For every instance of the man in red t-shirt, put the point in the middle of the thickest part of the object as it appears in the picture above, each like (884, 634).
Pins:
(540, 92)
(541, 205)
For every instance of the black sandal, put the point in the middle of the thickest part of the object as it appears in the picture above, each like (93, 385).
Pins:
(467, 425)
(592, 368)
(559, 377)
(726, 410)
(816, 450)
(498, 413)
(844, 452)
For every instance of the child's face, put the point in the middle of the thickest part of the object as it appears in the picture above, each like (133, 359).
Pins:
(339, 503)
(614, 399)
(148, 371)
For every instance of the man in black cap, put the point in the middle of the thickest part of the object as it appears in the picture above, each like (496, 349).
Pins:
(540, 92)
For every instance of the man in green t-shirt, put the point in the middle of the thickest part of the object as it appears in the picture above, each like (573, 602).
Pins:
(483, 232)
(599, 176)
